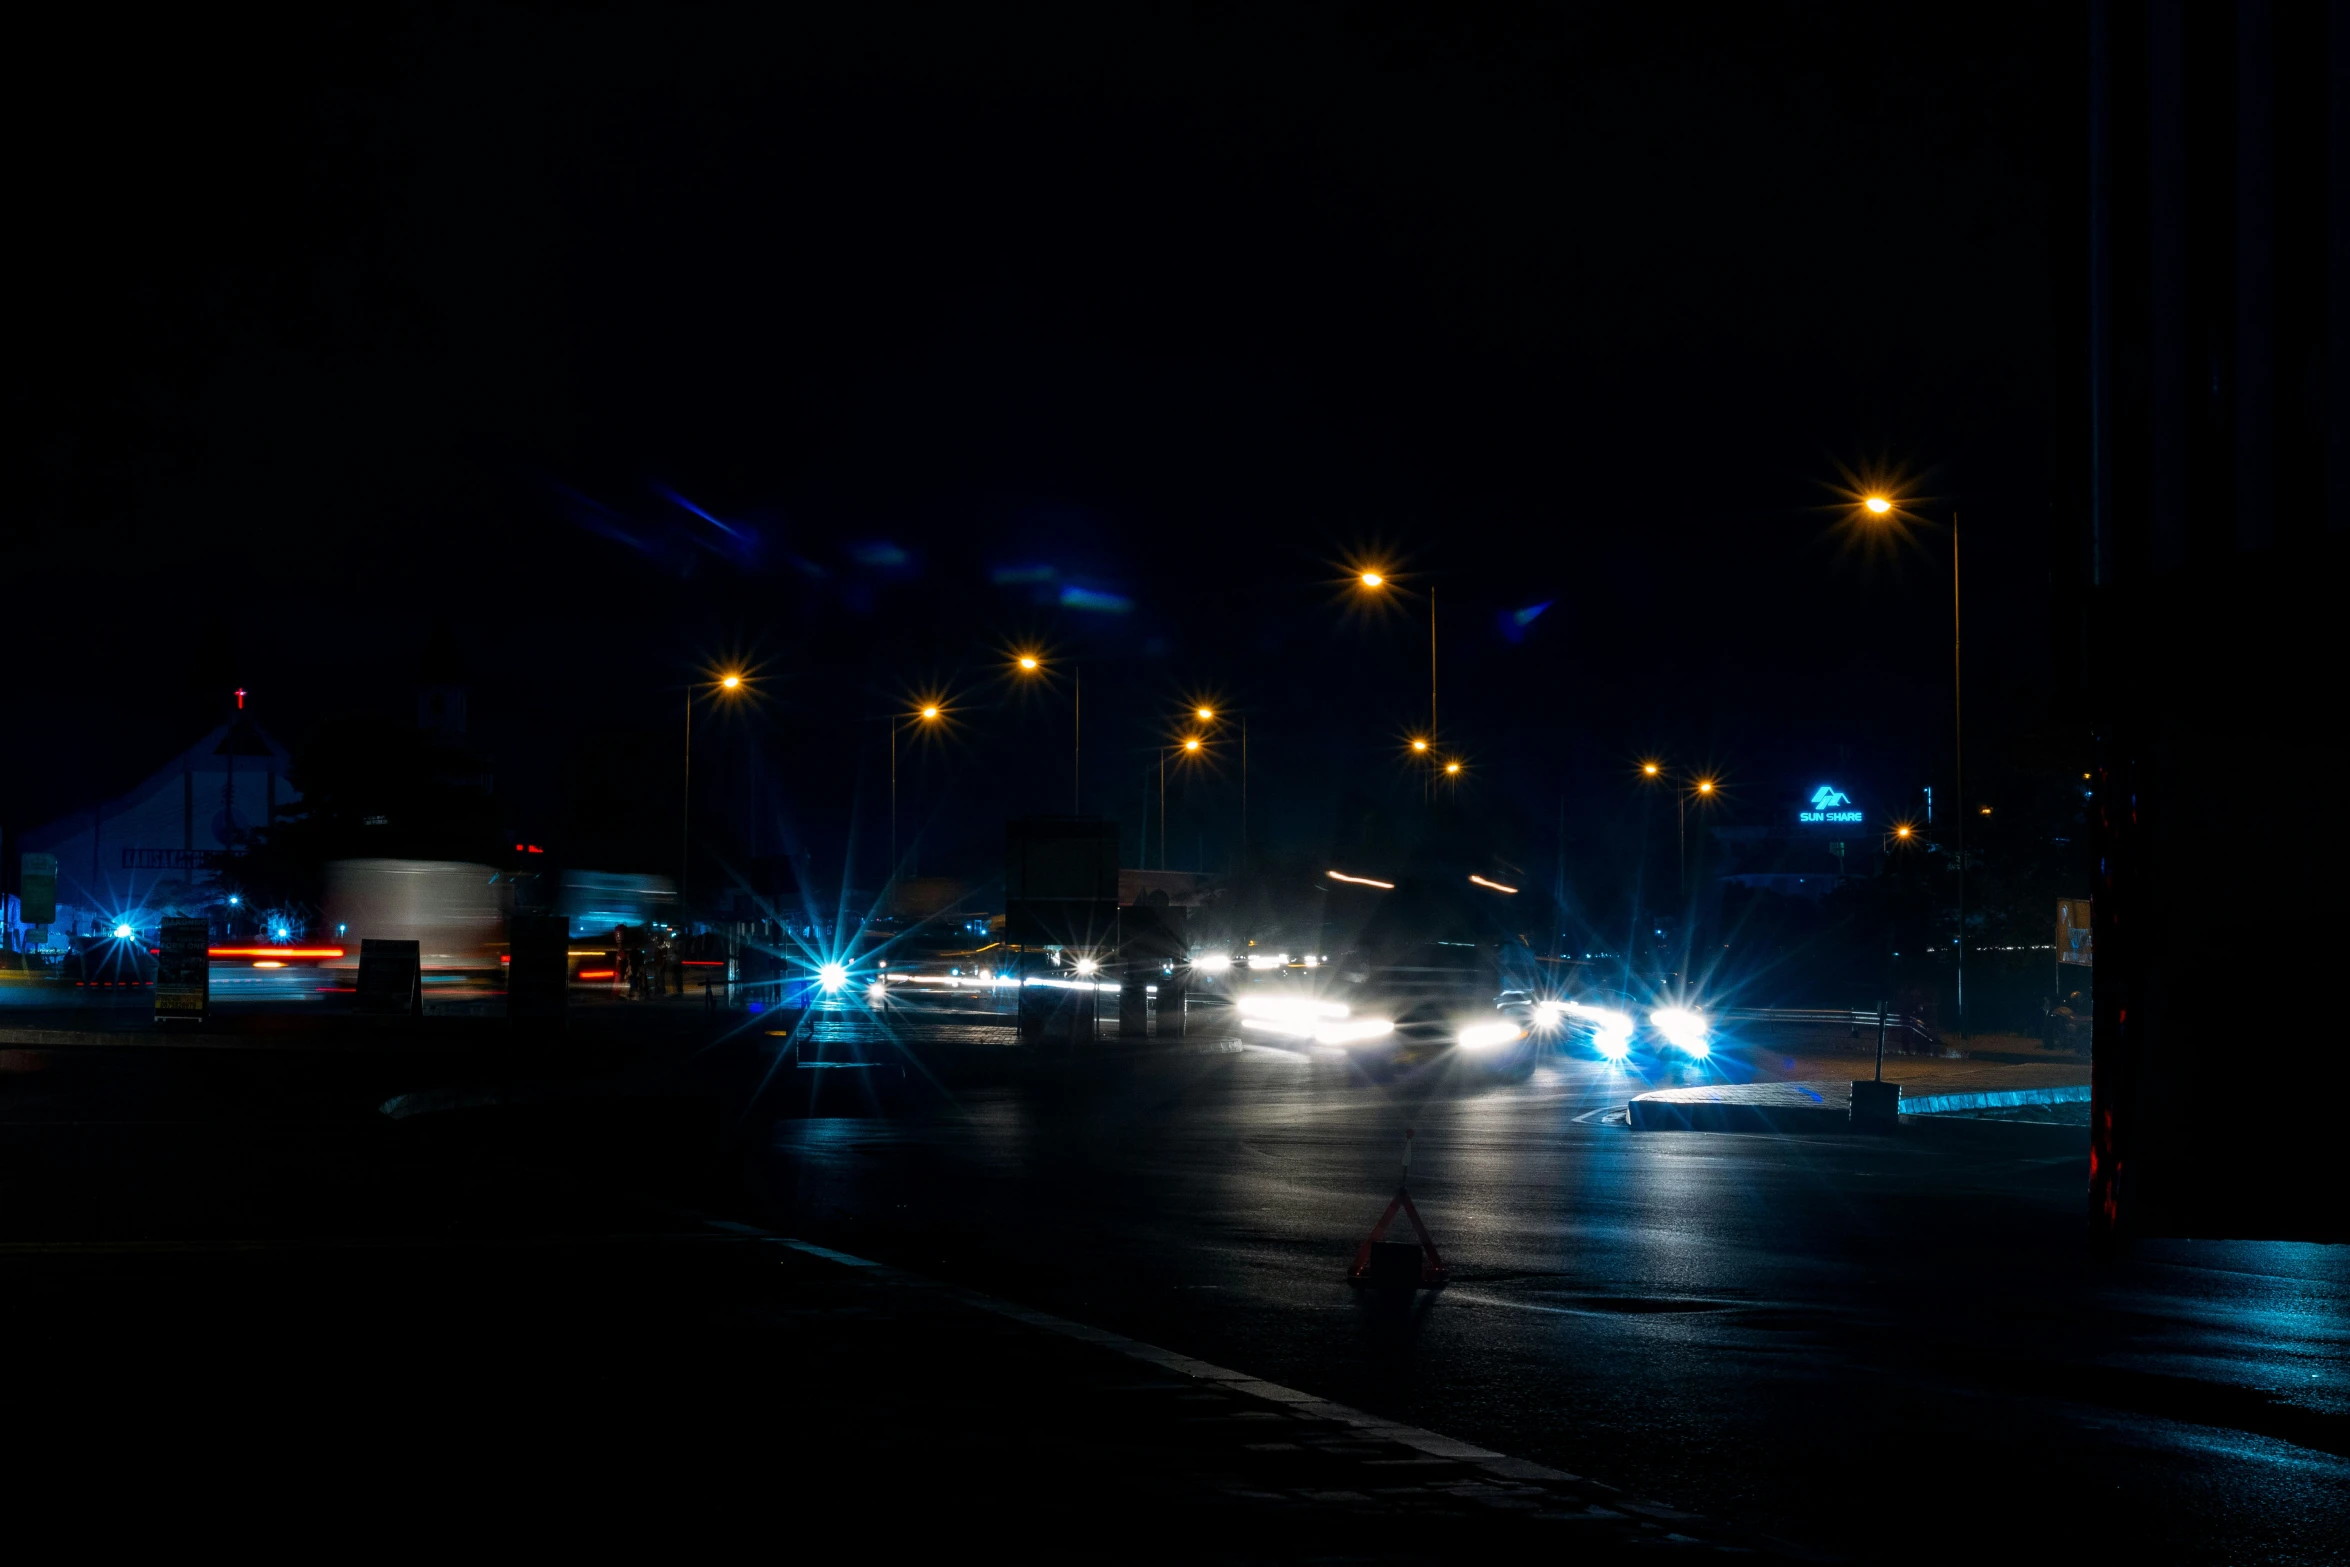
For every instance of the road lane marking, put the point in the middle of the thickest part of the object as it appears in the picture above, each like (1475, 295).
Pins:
(1433, 1444)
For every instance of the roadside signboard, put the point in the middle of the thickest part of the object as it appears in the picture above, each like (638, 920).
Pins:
(37, 884)
(538, 977)
(183, 972)
(391, 978)
(2072, 932)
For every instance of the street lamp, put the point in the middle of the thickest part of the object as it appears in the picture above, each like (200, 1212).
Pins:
(1033, 664)
(730, 683)
(1373, 581)
(1883, 508)
(928, 713)
(1699, 786)
(1190, 746)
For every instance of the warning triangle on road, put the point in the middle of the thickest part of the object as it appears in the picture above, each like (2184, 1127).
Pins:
(1384, 1264)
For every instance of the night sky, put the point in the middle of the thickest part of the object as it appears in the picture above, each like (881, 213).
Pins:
(631, 342)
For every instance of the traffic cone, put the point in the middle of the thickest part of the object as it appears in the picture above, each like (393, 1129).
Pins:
(1384, 1264)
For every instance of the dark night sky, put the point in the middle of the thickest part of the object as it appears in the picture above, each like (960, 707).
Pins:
(330, 333)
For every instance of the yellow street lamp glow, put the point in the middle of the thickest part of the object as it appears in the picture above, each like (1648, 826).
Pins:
(1191, 745)
(1028, 661)
(1877, 505)
(1372, 579)
(1452, 767)
(1705, 786)
(1419, 745)
(1206, 714)
(1901, 832)
(731, 682)
(930, 712)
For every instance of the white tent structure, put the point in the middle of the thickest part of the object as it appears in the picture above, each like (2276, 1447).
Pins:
(146, 852)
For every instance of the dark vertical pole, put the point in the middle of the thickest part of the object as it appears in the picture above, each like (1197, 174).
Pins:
(1958, 749)
(1880, 1039)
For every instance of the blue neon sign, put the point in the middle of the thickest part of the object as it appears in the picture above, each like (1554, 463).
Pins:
(1829, 804)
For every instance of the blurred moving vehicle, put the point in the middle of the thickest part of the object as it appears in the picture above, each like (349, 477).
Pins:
(455, 912)
(1423, 979)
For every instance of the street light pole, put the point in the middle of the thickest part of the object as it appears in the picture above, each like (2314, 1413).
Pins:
(929, 713)
(1884, 507)
(685, 823)
(1432, 729)
(1958, 760)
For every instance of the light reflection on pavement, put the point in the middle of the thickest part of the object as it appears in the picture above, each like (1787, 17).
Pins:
(1843, 1339)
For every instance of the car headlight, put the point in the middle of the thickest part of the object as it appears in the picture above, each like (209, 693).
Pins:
(1298, 1017)
(1549, 1015)
(1213, 963)
(832, 978)
(1484, 1036)
(1683, 1029)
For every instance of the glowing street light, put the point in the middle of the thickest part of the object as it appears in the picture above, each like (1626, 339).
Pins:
(1033, 663)
(1373, 581)
(1452, 769)
(730, 683)
(1882, 506)
(1206, 715)
(1698, 786)
(1190, 746)
(928, 713)
(1419, 745)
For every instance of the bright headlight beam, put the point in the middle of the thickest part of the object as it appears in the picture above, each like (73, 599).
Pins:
(1291, 1008)
(1683, 1028)
(832, 978)
(1213, 963)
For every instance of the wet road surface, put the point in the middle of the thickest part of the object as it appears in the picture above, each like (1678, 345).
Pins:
(1878, 1347)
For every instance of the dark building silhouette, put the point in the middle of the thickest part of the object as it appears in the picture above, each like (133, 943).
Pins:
(2200, 563)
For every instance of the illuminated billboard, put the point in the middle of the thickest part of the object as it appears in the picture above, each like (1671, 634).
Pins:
(1829, 806)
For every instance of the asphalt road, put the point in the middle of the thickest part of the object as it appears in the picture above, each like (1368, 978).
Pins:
(1876, 1347)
